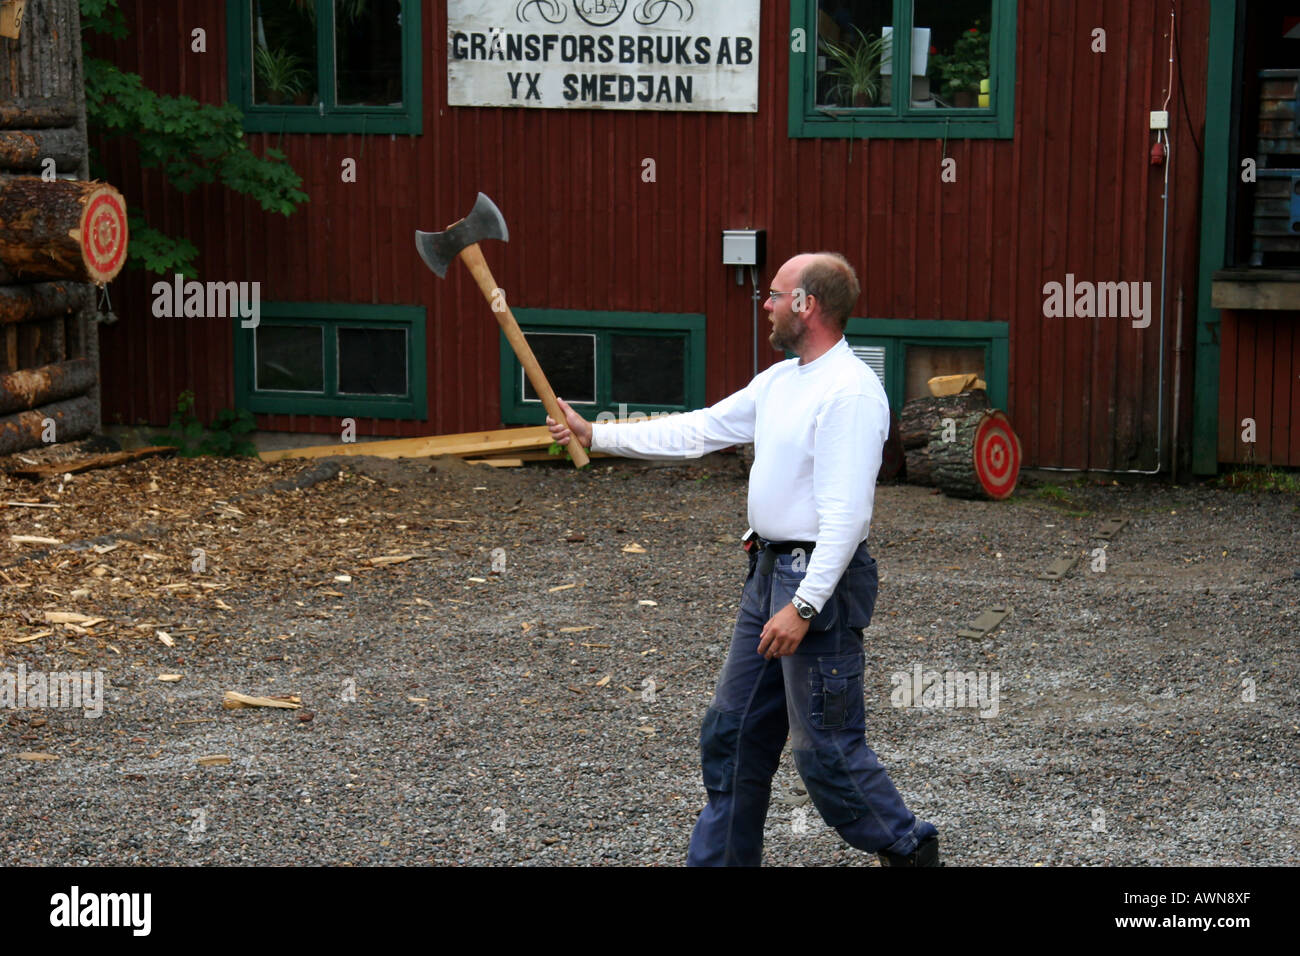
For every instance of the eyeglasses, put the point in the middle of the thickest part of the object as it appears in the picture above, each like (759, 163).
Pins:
(773, 294)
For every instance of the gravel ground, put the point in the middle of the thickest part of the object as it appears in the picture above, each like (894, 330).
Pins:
(453, 715)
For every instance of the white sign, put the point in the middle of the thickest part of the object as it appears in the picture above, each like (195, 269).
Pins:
(604, 54)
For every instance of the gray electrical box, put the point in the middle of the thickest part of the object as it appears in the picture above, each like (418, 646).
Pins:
(743, 247)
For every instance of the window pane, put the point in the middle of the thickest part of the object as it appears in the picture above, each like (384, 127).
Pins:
(289, 358)
(569, 362)
(959, 49)
(372, 361)
(925, 362)
(648, 369)
(368, 52)
(852, 53)
(284, 52)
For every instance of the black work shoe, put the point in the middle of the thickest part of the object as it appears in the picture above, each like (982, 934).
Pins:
(925, 854)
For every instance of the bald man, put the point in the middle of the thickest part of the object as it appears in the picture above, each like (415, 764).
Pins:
(818, 424)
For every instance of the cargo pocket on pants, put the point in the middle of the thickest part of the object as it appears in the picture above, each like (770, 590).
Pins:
(719, 737)
(834, 683)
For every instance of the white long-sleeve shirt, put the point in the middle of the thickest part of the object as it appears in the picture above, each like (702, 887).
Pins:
(818, 430)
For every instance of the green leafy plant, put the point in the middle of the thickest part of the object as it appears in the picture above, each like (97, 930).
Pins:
(193, 144)
(223, 438)
(968, 62)
(857, 73)
(279, 73)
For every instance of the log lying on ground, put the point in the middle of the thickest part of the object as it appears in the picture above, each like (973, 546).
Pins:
(74, 418)
(28, 388)
(43, 300)
(919, 418)
(29, 148)
(108, 460)
(65, 229)
(38, 113)
(982, 461)
(920, 415)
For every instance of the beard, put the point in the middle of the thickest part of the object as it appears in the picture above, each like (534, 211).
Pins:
(790, 337)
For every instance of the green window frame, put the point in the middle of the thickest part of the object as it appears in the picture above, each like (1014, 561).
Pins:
(897, 334)
(328, 116)
(602, 325)
(900, 120)
(330, 317)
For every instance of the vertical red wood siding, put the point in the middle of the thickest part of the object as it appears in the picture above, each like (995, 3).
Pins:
(1072, 192)
(1259, 379)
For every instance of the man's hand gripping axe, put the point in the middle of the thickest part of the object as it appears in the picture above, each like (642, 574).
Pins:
(438, 249)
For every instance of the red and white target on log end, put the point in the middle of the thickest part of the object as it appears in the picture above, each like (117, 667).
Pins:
(104, 234)
(997, 455)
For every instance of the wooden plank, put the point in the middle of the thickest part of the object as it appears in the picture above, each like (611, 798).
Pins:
(1263, 387)
(1255, 295)
(1227, 432)
(988, 621)
(534, 436)
(1293, 406)
(1244, 400)
(1280, 423)
(1058, 569)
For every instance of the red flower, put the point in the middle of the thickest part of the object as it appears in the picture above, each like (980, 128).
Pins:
(972, 30)
(933, 50)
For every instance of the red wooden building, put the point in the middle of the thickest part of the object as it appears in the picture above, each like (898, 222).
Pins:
(958, 211)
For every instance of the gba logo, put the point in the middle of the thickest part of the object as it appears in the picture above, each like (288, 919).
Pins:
(600, 13)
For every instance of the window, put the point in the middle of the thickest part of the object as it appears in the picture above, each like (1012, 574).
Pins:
(1264, 209)
(909, 352)
(844, 75)
(600, 361)
(326, 66)
(329, 359)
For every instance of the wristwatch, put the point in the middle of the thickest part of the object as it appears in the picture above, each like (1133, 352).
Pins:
(806, 610)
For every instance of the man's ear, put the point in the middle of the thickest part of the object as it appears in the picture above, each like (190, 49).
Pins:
(813, 309)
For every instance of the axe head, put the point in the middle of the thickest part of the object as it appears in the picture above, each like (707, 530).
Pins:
(439, 249)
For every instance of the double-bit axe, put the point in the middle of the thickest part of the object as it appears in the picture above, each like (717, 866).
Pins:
(439, 249)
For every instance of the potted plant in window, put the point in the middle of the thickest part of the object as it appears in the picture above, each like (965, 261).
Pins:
(279, 74)
(963, 68)
(857, 75)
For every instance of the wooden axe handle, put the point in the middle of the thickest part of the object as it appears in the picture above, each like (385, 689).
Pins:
(478, 268)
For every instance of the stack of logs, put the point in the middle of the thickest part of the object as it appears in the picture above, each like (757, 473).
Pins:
(59, 238)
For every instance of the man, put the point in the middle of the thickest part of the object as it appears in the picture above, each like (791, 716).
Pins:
(818, 425)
